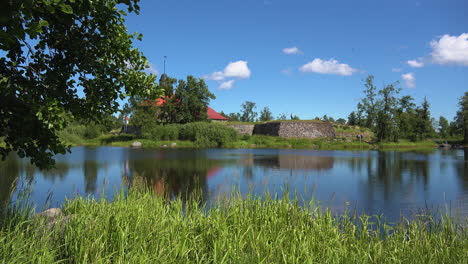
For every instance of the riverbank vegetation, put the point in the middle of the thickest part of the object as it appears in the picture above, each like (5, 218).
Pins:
(141, 227)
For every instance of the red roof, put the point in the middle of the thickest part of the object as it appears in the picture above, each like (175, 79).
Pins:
(213, 115)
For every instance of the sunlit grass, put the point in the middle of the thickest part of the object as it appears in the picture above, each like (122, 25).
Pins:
(144, 228)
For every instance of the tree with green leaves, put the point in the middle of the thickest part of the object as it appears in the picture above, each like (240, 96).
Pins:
(294, 117)
(64, 60)
(341, 121)
(282, 116)
(462, 116)
(352, 119)
(190, 101)
(423, 125)
(234, 117)
(248, 113)
(443, 127)
(406, 117)
(368, 105)
(265, 114)
(386, 127)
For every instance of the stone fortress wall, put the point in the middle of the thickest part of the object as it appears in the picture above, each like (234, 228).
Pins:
(289, 129)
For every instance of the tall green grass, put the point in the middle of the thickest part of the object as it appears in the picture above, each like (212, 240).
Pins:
(144, 228)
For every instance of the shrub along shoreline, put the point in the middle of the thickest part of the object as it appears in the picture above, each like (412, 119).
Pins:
(141, 227)
(216, 135)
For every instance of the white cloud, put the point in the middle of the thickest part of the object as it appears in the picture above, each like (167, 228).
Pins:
(292, 50)
(331, 66)
(396, 69)
(226, 85)
(409, 79)
(415, 63)
(238, 69)
(450, 50)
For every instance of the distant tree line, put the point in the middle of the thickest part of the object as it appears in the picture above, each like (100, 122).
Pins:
(392, 117)
(248, 114)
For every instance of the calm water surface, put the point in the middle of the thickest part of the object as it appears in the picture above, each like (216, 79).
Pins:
(392, 183)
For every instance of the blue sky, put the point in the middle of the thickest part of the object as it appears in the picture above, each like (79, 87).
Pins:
(310, 58)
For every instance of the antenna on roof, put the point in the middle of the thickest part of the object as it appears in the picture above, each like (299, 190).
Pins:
(165, 57)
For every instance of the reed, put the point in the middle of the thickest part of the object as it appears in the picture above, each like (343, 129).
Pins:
(140, 227)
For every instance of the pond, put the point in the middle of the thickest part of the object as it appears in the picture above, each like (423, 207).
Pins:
(393, 183)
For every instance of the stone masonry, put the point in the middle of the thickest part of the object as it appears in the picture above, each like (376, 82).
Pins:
(298, 129)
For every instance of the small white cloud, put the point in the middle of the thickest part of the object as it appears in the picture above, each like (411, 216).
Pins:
(415, 63)
(409, 79)
(151, 69)
(292, 50)
(450, 50)
(226, 85)
(396, 69)
(238, 69)
(331, 66)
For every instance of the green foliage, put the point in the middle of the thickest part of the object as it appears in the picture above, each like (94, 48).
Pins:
(282, 116)
(248, 113)
(208, 134)
(234, 117)
(187, 104)
(265, 114)
(386, 128)
(341, 121)
(423, 125)
(162, 132)
(77, 133)
(443, 127)
(368, 105)
(294, 117)
(462, 116)
(142, 227)
(52, 48)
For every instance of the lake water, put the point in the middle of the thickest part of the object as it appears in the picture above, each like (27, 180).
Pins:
(393, 183)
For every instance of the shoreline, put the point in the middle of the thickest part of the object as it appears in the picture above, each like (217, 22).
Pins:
(260, 142)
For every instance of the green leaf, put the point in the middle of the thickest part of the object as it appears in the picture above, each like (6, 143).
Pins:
(66, 9)
(43, 23)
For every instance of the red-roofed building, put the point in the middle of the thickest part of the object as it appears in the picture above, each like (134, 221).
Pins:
(213, 115)
(210, 112)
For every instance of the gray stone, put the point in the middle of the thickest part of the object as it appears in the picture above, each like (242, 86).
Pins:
(51, 213)
(136, 144)
(445, 145)
(244, 128)
(296, 129)
(173, 145)
(164, 146)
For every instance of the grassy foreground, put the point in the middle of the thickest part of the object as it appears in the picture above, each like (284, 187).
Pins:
(144, 228)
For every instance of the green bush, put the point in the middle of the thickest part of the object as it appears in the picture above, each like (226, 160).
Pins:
(75, 133)
(93, 131)
(162, 132)
(246, 137)
(208, 134)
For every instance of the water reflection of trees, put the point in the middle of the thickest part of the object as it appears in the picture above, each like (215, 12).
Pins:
(295, 162)
(462, 170)
(390, 177)
(11, 169)
(90, 170)
(174, 177)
